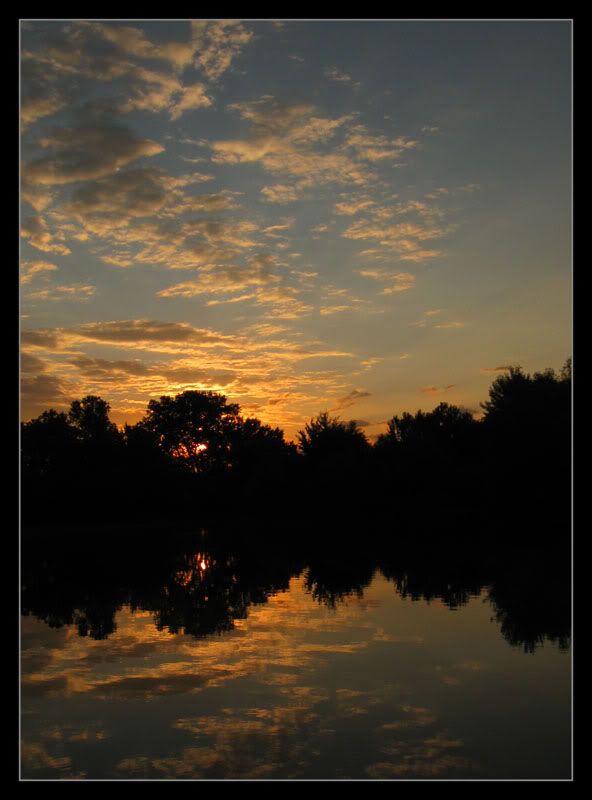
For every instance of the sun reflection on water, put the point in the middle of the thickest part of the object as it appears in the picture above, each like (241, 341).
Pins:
(195, 569)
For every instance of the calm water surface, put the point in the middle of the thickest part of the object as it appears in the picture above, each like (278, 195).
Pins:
(297, 680)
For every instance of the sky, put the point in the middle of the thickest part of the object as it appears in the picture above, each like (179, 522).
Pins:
(360, 217)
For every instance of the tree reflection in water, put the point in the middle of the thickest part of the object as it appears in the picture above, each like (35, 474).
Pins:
(200, 586)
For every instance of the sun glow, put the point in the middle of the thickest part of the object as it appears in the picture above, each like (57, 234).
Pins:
(195, 570)
(189, 450)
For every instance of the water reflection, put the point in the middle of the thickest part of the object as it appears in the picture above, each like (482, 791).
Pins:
(197, 591)
(232, 657)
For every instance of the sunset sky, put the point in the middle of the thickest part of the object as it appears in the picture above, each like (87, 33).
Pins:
(359, 217)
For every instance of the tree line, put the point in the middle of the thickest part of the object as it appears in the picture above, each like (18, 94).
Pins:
(195, 455)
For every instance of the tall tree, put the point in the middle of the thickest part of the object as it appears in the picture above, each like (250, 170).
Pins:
(47, 443)
(527, 423)
(326, 437)
(194, 427)
(89, 417)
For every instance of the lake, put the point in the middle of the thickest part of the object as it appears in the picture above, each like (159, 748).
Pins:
(206, 663)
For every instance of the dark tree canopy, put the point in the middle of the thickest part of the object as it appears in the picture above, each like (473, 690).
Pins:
(51, 424)
(530, 415)
(195, 450)
(89, 418)
(196, 427)
(521, 401)
(326, 436)
(527, 423)
(445, 424)
(253, 441)
(46, 442)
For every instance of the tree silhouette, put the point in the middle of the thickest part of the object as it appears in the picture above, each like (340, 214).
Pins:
(196, 450)
(519, 402)
(329, 437)
(194, 427)
(433, 453)
(263, 463)
(255, 442)
(445, 425)
(527, 426)
(89, 418)
(336, 458)
(46, 443)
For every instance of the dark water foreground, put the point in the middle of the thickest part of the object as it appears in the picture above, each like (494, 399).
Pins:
(292, 652)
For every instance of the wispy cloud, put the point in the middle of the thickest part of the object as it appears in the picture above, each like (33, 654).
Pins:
(36, 231)
(453, 324)
(488, 370)
(349, 399)
(338, 75)
(280, 193)
(283, 139)
(31, 268)
(400, 281)
(353, 206)
(86, 152)
(218, 44)
(403, 237)
(218, 279)
(76, 291)
(373, 147)
(437, 389)
(430, 319)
